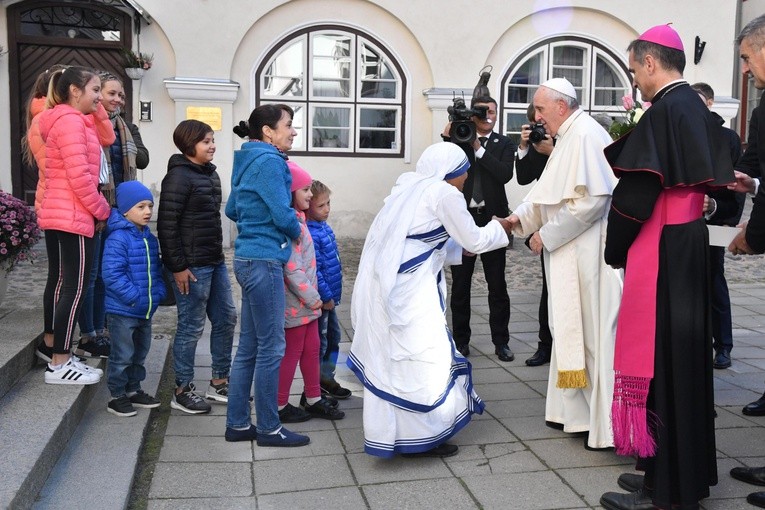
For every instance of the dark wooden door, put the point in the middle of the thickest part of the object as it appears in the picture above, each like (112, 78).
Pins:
(44, 33)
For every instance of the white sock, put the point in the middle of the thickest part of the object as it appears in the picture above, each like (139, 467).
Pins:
(312, 400)
(242, 428)
(282, 407)
(275, 432)
(56, 367)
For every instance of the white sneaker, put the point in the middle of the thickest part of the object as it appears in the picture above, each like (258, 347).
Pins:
(84, 366)
(70, 373)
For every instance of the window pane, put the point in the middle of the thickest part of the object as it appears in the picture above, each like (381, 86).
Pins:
(523, 83)
(513, 122)
(369, 139)
(377, 78)
(331, 126)
(377, 117)
(609, 88)
(331, 65)
(284, 75)
(568, 56)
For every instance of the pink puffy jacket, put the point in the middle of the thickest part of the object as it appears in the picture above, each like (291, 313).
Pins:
(37, 144)
(71, 199)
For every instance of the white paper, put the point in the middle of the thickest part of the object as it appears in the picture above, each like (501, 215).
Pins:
(721, 235)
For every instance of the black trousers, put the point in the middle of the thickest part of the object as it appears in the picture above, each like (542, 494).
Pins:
(545, 336)
(722, 324)
(499, 302)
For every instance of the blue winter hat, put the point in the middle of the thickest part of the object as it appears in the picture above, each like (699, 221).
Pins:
(130, 193)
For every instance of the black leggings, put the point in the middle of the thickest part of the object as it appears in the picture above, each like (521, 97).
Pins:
(69, 259)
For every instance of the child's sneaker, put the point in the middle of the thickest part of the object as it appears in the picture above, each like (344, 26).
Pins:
(333, 389)
(80, 362)
(282, 437)
(323, 409)
(189, 402)
(292, 414)
(304, 401)
(217, 392)
(44, 352)
(95, 348)
(70, 373)
(143, 400)
(121, 407)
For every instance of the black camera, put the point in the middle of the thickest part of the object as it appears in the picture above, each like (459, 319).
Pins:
(463, 128)
(537, 133)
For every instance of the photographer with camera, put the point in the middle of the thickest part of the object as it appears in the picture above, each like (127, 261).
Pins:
(491, 167)
(530, 160)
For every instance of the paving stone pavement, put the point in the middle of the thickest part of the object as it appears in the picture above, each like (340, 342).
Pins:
(507, 459)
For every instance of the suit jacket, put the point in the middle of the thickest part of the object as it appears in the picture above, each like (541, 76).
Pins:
(753, 163)
(530, 167)
(495, 169)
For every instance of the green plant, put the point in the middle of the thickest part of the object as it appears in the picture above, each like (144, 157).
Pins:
(635, 110)
(140, 60)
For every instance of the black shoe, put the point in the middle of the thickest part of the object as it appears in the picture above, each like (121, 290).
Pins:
(333, 389)
(442, 450)
(756, 499)
(142, 399)
(44, 352)
(323, 409)
(292, 414)
(304, 402)
(554, 425)
(504, 353)
(755, 476)
(233, 435)
(541, 357)
(722, 359)
(594, 448)
(189, 402)
(637, 500)
(121, 407)
(95, 348)
(630, 481)
(756, 408)
(464, 349)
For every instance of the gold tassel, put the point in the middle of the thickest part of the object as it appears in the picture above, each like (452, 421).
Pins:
(572, 379)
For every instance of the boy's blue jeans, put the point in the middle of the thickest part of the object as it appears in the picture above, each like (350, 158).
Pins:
(130, 343)
(329, 334)
(92, 312)
(261, 345)
(210, 296)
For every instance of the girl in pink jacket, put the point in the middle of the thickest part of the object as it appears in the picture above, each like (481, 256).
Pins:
(69, 209)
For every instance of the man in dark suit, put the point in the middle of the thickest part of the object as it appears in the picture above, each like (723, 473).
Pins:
(752, 238)
(491, 167)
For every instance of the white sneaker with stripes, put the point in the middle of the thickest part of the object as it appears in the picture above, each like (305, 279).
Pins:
(70, 373)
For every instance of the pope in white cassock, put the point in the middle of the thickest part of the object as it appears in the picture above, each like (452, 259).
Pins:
(567, 212)
(418, 389)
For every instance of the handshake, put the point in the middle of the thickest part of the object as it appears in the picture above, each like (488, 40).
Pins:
(507, 223)
(534, 242)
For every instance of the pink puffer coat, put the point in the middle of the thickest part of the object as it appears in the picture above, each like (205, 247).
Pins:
(71, 201)
(37, 146)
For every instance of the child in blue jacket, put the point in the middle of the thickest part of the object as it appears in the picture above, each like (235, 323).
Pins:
(329, 272)
(132, 275)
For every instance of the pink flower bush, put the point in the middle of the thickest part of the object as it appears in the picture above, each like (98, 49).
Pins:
(18, 231)
(635, 110)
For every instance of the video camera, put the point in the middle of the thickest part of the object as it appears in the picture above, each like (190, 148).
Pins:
(463, 128)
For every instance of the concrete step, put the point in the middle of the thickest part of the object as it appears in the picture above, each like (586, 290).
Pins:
(20, 329)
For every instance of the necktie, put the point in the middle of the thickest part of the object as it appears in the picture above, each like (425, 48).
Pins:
(477, 191)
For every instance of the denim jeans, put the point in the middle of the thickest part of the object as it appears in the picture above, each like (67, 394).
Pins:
(329, 334)
(210, 296)
(92, 313)
(130, 343)
(261, 345)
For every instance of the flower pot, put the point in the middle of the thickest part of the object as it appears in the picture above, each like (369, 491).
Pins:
(134, 73)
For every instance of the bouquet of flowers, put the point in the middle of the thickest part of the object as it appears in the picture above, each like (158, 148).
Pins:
(635, 110)
(139, 60)
(18, 231)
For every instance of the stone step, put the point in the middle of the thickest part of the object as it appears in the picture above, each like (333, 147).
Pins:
(19, 336)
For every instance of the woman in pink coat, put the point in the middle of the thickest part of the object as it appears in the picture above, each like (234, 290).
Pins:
(69, 210)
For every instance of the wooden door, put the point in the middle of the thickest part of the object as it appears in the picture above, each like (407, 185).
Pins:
(44, 33)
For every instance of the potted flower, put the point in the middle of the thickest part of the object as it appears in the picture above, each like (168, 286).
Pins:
(136, 63)
(18, 232)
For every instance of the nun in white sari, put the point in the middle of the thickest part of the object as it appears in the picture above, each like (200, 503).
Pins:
(418, 388)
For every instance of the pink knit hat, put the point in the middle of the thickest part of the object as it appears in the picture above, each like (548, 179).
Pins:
(663, 35)
(300, 178)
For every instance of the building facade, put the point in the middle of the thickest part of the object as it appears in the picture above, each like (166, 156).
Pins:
(370, 80)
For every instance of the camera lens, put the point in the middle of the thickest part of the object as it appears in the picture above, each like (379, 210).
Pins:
(463, 131)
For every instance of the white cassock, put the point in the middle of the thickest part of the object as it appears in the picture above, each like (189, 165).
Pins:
(418, 389)
(569, 207)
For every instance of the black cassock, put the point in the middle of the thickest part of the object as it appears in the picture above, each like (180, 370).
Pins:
(677, 143)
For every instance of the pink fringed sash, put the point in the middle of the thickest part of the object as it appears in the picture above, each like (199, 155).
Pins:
(636, 325)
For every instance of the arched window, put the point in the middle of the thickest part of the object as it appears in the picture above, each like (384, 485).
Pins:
(346, 90)
(599, 77)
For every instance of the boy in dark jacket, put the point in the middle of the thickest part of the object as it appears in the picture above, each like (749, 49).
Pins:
(133, 280)
(329, 273)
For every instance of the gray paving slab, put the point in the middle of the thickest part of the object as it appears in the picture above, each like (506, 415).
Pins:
(223, 503)
(335, 498)
(369, 470)
(494, 459)
(201, 480)
(415, 495)
(539, 490)
(302, 473)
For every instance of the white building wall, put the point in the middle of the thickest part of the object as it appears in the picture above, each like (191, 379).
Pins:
(440, 44)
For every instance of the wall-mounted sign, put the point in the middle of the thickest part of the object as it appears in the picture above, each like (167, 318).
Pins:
(211, 115)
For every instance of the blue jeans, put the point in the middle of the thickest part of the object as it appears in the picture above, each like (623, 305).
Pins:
(329, 334)
(130, 343)
(261, 345)
(210, 296)
(92, 312)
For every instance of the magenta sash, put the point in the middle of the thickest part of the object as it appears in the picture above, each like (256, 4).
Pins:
(636, 325)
